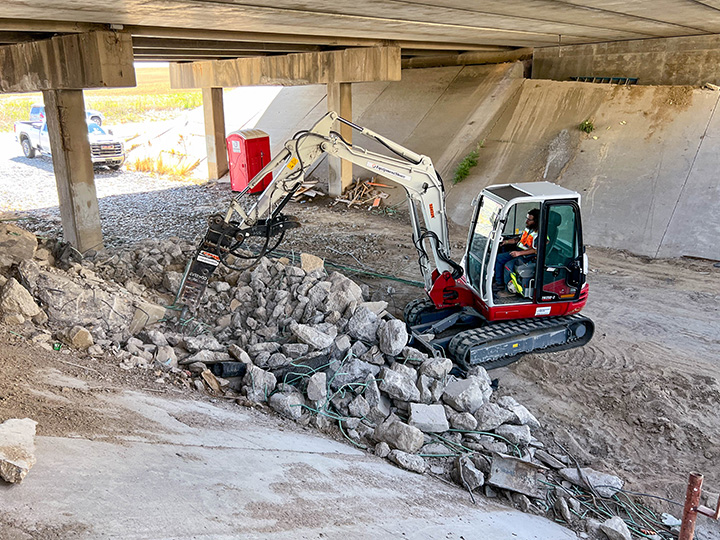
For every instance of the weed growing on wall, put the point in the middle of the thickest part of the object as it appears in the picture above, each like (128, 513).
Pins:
(471, 160)
(587, 126)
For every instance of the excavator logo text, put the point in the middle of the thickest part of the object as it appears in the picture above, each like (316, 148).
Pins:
(386, 171)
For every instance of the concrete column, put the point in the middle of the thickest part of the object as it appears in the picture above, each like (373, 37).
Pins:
(68, 131)
(339, 99)
(215, 132)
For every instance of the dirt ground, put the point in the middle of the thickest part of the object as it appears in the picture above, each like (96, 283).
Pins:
(640, 400)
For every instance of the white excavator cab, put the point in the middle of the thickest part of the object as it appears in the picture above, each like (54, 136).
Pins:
(554, 275)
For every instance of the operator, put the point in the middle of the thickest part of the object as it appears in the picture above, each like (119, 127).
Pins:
(525, 250)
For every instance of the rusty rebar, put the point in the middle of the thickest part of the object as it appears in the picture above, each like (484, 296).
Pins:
(692, 501)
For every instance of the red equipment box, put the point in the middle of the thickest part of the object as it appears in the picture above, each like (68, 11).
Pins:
(248, 152)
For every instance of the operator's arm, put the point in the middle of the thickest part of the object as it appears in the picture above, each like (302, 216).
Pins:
(531, 251)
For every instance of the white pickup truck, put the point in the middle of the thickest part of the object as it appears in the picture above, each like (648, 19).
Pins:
(104, 148)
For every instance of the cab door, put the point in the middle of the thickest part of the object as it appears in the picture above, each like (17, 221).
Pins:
(560, 251)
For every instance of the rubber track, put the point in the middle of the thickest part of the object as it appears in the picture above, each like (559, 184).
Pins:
(463, 342)
(415, 308)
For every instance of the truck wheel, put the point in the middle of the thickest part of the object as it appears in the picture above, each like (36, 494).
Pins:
(28, 150)
(97, 120)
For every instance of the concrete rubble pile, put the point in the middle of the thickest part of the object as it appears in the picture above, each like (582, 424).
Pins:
(302, 341)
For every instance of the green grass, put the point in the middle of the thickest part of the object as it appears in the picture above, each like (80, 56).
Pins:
(462, 171)
(151, 99)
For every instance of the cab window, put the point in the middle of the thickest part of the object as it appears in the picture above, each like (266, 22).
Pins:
(562, 246)
(482, 233)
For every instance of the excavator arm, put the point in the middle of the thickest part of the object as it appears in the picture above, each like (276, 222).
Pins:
(424, 189)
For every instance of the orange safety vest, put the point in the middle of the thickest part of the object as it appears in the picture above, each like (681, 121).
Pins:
(527, 240)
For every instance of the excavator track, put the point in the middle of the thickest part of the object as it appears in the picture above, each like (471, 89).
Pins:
(499, 344)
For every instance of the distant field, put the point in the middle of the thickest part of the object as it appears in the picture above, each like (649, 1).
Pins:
(151, 99)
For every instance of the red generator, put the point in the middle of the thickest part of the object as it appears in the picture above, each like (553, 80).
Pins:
(248, 152)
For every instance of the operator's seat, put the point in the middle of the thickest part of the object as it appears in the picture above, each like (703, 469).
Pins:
(525, 273)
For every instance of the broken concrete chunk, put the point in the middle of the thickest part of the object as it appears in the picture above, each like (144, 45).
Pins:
(400, 435)
(522, 415)
(373, 355)
(290, 404)
(376, 307)
(392, 337)
(16, 299)
(312, 337)
(317, 387)
(464, 421)
(515, 434)
(615, 529)
(363, 325)
(398, 385)
(196, 367)
(145, 315)
(408, 371)
(278, 360)
(17, 449)
(16, 244)
(490, 416)
(350, 372)
(407, 461)
(259, 384)
(359, 407)
(606, 485)
(171, 281)
(206, 357)
(382, 449)
(156, 337)
(295, 350)
(239, 354)
(79, 337)
(29, 272)
(428, 418)
(203, 342)
(466, 395)
(467, 475)
(437, 368)
(166, 357)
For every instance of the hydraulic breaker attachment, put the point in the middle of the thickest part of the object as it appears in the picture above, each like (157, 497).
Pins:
(222, 241)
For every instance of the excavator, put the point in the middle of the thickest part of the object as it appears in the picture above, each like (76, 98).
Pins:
(462, 316)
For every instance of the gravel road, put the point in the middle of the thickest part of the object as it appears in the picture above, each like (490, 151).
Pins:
(133, 205)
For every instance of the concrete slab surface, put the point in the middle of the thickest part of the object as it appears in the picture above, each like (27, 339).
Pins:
(198, 470)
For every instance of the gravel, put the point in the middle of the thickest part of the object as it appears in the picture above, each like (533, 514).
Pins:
(133, 206)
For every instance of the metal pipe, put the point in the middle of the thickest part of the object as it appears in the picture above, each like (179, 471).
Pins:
(692, 500)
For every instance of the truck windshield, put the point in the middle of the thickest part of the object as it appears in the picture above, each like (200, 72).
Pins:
(94, 129)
